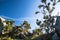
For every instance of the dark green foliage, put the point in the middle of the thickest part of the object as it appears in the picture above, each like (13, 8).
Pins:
(58, 0)
(48, 19)
(27, 24)
(48, 3)
(54, 4)
(1, 27)
(51, 10)
(43, 1)
(52, 0)
(1, 24)
(47, 7)
(40, 6)
(37, 12)
(38, 22)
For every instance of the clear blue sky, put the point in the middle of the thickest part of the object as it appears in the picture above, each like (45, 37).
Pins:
(17, 8)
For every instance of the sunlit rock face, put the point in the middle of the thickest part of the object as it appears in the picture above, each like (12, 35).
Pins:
(3, 20)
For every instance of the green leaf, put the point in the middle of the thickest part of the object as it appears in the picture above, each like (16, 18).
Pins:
(48, 3)
(1, 24)
(46, 17)
(51, 10)
(38, 22)
(58, 0)
(47, 7)
(54, 4)
(37, 12)
(40, 6)
(43, 1)
(51, 0)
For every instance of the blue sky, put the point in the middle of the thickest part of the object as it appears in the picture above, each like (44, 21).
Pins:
(18, 8)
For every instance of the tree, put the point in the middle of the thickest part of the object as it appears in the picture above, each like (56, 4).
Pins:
(1, 26)
(9, 25)
(47, 11)
(7, 28)
(25, 26)
(24, 30)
